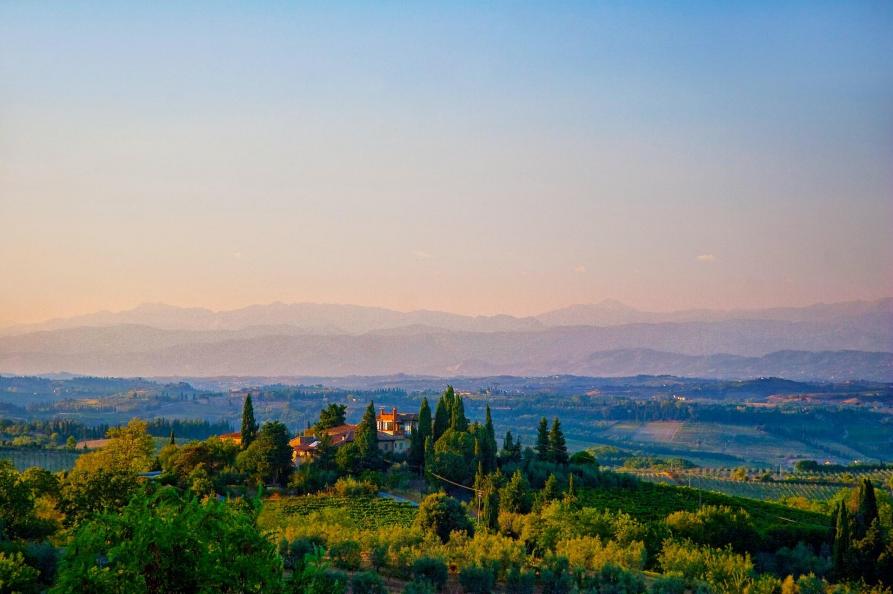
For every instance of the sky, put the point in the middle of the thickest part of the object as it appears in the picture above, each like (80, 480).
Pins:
(480, 158)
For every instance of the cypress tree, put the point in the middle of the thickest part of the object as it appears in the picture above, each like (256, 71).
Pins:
(490, 508)
(543, 451)
(441, 418)
(249, 425)
(491, 447)
(366, 438)
(458, 422)
(417, 438)
(173, 440)
(557, 444)
(840, 553)
(424, 420)
(429, 452)
(866, 509)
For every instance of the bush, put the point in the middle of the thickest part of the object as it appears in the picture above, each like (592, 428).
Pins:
(520, 581)
(346, 554)
(668, 584)
(442, 515)
(556, 578)
(16, 576)
(419, 587)
(367, 582)
(295, 552)
(316, 578)
(351, 487)
(612, 579)
(430, 569)
(476, 579)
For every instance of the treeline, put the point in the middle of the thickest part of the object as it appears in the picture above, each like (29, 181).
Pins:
(57, 431)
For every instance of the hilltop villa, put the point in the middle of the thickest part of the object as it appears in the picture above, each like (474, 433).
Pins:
(394, 431)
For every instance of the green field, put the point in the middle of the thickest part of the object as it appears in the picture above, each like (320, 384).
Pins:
(653, 502)
(366, 512)
(765, 491)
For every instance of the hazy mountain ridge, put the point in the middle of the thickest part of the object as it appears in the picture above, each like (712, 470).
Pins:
(840, 341)
(357, 319)
(557, 351)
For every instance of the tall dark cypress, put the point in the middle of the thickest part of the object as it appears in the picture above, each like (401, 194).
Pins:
(366, 438)
(458, 421)
(249, 425)
(840, 553)
(173, 440)
(441, 418)
(866, 509)
(421, 433)
(557, 443)
(491, 447)
(543, 451)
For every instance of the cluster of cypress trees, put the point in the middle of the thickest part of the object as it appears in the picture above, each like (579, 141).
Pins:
(550, 443)
(448, 443)
(862, 549)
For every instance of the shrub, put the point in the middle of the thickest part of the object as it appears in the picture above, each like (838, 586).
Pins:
(419, 587)
(520, 581)
(442, 515)
(477, 579)
(351, 487)
(16, 576)
(294, 553)
(346, 554)
(556, 577)
(612, 579)
(367, 583)
(668, 584)
(316, 578)
(430, 569)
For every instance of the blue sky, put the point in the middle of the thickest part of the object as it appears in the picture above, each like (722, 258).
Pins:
(510, 157)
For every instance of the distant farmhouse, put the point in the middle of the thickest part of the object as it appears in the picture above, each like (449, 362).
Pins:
(394, 433)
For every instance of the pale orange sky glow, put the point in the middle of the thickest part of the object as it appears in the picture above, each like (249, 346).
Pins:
(514, 162)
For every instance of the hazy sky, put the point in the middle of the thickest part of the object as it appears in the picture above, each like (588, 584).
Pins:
(471, 157)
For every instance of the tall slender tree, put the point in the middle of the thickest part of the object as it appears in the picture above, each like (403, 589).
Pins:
(841, 550)
(421, 433)
(557, 443)
(366, 439)
(458, 420)
(543, 449)
(441, 418)
(866, 509)
(490, 448)
(173, 440)
(249, 425)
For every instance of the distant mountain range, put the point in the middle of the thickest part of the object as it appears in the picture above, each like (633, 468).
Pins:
(842, 341)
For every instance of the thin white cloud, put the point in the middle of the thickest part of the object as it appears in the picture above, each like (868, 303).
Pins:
(422, 254)
(706, 258)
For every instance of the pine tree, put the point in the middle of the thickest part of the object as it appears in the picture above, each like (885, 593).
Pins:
(173, 440)
(249, 425)
(441, 418)
(491, 448)
(366, 439)
(543, 450)
(557, 444)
